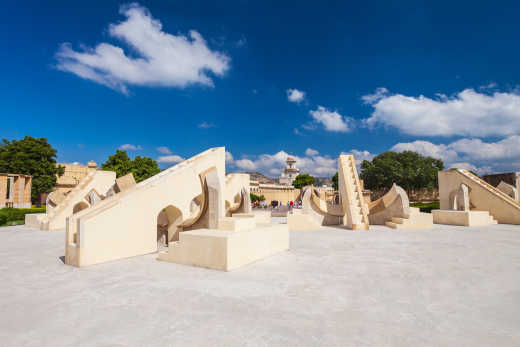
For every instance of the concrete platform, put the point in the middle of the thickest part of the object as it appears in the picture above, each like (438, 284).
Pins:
(447, 286)
(227, 250)
(463, 218)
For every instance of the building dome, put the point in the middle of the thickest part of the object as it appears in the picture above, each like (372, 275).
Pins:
(92, 164)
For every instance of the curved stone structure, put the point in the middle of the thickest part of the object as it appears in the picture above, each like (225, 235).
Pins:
(236, 194)
(394, 210)
(510, 190)
(315, 212)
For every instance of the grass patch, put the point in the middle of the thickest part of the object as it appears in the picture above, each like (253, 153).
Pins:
(426, 206)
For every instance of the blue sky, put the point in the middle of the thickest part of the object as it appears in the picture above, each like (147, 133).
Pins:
(168, 79)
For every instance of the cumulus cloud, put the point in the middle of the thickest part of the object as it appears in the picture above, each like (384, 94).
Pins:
(441, 151)
(295, 95)
(130, 147)
(379, 94)
(245, 164)
(205, 125)
(229, 158)
(311, 152)
(273, 164)
(331, 120)
(473, 154)
(164, 150)
(170, 159)
(163, 59)
(468, 113)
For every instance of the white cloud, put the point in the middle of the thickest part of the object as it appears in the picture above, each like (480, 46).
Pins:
(295, 95)
(273, 164)
(164, 150)
(429, 149)
(332, 120)
(229, 158)
(467, 166)
(164, 60)
(359, 156)
(245, 164)
(205, 125)
(482, 157)
(378, 95)
(311, 152)
(468, 113)
(130, 147)
(170, 159)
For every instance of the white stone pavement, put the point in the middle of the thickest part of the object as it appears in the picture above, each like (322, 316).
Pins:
(450, 286)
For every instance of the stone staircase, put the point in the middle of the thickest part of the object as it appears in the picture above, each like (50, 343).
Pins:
(354, 205)
(417, 220)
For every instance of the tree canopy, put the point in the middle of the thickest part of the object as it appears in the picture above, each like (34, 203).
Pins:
(31, 156)
(141, 167)
(303, 180)
(256, 198)
(407, 169)
(335, 181)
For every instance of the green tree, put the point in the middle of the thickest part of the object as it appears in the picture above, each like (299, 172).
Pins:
(303, 180)
(335, 184)
(256, 198)
(141, 167)
(144, 167)
(120, 163)
(407, 169)
(31, 156)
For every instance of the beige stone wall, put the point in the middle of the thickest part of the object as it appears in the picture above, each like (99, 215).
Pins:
(283, 195)
(27, 190)
(3, 190)
(19, 190)
(72, 176)
(413, 194)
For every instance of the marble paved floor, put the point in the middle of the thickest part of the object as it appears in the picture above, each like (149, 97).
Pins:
(449, 286)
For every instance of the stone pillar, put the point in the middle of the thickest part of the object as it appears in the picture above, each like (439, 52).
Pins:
(10, 198)
(27, 192)
(3, 190)
(20, 190)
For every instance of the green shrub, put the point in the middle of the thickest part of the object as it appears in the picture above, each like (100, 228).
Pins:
(3, 219)
(427, 207)
(17, 214)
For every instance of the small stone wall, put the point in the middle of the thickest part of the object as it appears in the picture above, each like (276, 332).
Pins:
(414, 195)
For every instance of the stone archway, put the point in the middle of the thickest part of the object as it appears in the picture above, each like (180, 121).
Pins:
(79, 207)
(169, 223)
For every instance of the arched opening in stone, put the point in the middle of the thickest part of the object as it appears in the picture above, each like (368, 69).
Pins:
(79, 207)
(169, 224)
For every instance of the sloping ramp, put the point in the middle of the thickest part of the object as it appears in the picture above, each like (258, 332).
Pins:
(315, 212)
(60, 206)
(482, 195)
(394, 211)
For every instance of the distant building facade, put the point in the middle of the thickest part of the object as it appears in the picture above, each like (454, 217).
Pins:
(73, 175)
(290, 172)
(274, 192)
(15, 190)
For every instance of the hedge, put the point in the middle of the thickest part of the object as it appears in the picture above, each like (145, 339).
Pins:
(426, 207)
(10, 214)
